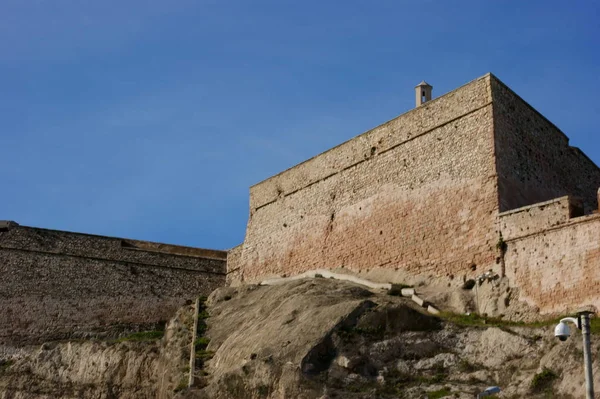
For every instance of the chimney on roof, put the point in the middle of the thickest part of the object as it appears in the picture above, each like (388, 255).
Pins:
(423, 92)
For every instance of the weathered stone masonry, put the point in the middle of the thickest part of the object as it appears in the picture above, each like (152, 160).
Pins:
(417, 193)
(553, 255)
(422, 195)
(58, 285)
(534, 161)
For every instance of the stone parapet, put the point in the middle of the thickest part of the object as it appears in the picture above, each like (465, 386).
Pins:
(59, 285)
(538, 217)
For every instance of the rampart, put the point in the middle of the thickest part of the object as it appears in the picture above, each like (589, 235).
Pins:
(58, 285)
(553, 255)
(428, 194)
(417, 193)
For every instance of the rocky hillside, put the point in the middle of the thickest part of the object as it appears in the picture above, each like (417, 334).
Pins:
(322, 338)
(315, 338)
(151, 364)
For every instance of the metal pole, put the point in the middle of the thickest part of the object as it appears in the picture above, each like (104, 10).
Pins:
(587, 355)
(193, 348)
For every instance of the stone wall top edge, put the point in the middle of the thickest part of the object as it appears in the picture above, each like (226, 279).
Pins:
(512, 92)
(168, 249)
(237, 247)
(413, 110)
(584, 155)
(595, 217)
(537, 204)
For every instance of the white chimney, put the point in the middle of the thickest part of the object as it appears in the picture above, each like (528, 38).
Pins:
(423, 92)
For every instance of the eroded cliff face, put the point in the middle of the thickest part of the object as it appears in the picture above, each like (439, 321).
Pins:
(307, 339)
(150, 368)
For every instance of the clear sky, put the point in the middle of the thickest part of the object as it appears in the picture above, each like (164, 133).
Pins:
(151, 119)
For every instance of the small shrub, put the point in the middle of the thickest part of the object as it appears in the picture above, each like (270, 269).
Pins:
(201, 343)
(203, 315)
(595, 325)
(142, 336)
(466, 367)
(501, 244)
(5, 365)
(440, 393)
(204, 354)
(183, 384)
(543, 380)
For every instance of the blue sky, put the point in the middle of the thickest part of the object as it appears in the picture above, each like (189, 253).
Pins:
(151, 119)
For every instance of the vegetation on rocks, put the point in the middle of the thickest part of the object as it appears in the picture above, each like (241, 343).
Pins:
(542, 381)
(142, 336)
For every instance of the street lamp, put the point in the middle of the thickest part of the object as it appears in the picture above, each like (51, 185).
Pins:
(563, 332)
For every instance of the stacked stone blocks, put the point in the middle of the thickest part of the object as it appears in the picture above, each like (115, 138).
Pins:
(431, 193)
(59, 285)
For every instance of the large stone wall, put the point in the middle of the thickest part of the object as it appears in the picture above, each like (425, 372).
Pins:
(557, 268)
(429, 193)
(59, 285)
(416, 194)
(534, 160)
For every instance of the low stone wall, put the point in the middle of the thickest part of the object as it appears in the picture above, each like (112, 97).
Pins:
(58, 285)
(538, 217)
(558, 268)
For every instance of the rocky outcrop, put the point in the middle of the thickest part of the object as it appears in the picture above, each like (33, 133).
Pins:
(323, 338)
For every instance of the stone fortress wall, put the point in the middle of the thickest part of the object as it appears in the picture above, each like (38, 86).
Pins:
(547, 192)
(417, 193)
(553, 254)
(430, 193)
(58, 285)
